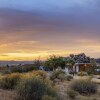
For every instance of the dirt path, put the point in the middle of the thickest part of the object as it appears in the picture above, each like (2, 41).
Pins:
(62, 88)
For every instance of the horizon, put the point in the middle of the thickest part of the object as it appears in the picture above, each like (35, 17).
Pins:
(32, 29)
(39, 58)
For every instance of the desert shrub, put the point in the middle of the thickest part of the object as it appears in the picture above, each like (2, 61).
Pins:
(71, 93)
(28, 68)
(93, 70)
(3, 72)
(62, 77)
(48, 81)
(38, 63)
(16, 69)
(41, 73)
(69, 77)
(46, 97)
(84, 86)
(34, 89)
(22, 68)
(82, 74)
(9, 81)
(59, 74)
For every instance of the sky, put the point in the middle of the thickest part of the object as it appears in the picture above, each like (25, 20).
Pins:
(32, 29)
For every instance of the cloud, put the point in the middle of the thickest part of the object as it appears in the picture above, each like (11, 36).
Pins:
(73, 27)
(44, 5)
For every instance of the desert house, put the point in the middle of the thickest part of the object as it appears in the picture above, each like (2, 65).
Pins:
(78, 67)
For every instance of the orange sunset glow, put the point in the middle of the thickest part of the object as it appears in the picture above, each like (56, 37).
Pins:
(32, 30)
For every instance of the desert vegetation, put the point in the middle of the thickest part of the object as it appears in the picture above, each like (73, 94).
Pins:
(38, 86)
(31, 85)
(27, 82)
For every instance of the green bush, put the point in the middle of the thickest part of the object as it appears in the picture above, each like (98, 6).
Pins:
(59, 74)
(9, 81)
(34, 89)
(84, 86)
(16, 69)
(82, 74)
(69, 77)
(28, 68)
(21, 69)
(71, 93)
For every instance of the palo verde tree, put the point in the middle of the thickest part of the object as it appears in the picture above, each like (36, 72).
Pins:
(53, 62)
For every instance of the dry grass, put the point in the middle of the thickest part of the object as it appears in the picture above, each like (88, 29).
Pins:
(62, 88)
(7, 95)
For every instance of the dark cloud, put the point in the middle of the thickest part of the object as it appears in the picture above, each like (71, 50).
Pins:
(21, 25)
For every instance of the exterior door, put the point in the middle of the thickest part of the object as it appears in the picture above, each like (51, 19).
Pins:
(77, 68)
